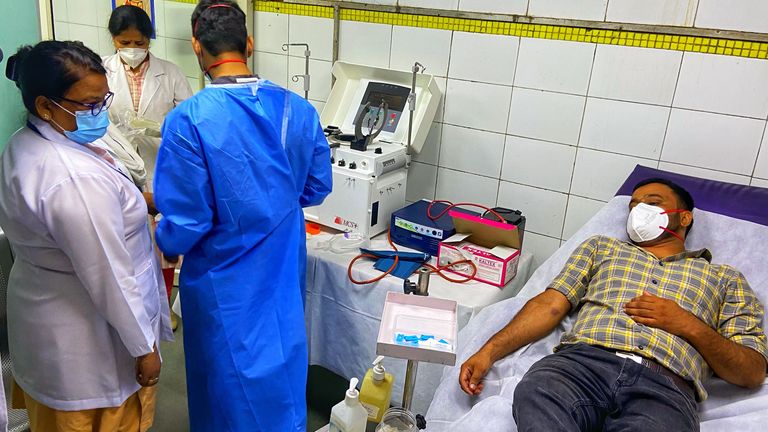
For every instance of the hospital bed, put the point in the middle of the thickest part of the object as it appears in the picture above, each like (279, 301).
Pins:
(730, 220)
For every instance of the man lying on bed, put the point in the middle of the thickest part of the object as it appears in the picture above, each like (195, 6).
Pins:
(654, 321)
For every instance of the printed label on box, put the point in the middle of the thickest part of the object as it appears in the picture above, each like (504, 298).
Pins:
(490, 268)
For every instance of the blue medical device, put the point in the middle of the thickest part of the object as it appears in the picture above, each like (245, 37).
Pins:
(407, 263)
(410, 227)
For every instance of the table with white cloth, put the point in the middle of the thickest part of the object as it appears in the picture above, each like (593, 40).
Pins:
(343, 318)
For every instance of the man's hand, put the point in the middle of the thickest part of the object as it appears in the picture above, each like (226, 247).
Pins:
(148, 369)
(660, 313)
(535, 320)
(473, 371)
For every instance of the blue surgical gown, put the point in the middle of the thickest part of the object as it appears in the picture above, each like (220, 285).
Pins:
(236, 165)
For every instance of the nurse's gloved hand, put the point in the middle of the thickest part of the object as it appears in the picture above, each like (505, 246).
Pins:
(148, 369)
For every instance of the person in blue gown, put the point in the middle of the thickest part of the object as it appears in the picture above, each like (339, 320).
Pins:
(237, 163)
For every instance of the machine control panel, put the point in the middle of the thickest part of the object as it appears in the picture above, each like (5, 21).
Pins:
(374, 162)
(419, 229)
(393, 95)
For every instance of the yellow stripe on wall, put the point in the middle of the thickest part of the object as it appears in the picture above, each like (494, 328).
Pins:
(707, 45)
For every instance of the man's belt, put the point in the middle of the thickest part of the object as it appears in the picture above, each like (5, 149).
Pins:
(657, 367)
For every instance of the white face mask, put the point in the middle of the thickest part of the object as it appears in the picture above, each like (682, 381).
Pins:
(133, 56)
(646, 223)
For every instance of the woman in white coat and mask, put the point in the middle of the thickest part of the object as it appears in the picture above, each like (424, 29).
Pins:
(146, 89)
(86, 307)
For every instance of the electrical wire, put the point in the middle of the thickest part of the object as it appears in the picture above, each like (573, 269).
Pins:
(439, 270)
(364, 255)
(461, 204)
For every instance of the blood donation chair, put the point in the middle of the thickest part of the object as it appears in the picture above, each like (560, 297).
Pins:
(730, 220)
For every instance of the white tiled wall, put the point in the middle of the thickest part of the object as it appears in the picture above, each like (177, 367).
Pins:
(742, 15)
(87, 20)
(723, 84)
(635, 74)
(745, 15)
(548, 127)
(432, 47)
(517, 7)
(593, 10)
(485, 58)
(554, 127)
(664, 12)
(360, 42)
(624, 127)
(477, 105)
(715, 141)
(554, 65)
(545, 115)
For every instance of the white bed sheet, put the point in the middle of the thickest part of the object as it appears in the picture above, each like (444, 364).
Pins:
(736, 242)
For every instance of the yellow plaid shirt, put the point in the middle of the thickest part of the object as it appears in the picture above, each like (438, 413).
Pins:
(603, 274)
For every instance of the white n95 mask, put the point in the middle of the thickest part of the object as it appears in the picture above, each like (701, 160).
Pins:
(647, 222)
(133, 56)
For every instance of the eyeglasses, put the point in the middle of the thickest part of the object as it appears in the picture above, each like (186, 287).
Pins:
(96, 108)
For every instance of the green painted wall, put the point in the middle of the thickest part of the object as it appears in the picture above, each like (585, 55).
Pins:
(19, 25)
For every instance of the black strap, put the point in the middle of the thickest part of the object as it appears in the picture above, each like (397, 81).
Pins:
(34, 128)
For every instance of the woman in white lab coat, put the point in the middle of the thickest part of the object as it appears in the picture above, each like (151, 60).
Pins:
(86, 307)
(146, 89)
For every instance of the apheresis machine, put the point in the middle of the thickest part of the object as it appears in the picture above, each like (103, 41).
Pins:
(374, 120)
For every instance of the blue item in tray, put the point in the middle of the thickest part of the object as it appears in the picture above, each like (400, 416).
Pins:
(421, 341)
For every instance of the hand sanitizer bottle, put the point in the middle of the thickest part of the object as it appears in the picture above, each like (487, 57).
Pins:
(376, 391)
(348, 415)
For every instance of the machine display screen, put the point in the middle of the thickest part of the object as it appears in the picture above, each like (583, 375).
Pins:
(395, 102)
(394, 95)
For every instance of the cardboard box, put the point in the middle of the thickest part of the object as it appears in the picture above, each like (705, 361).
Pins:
(494, 248)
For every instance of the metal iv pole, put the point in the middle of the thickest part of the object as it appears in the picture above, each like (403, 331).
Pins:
(305, 77)
(417, 67)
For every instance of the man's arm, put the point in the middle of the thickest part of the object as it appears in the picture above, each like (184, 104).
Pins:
(183, 191)
(536, 319)
(732, 362)
(735, 363)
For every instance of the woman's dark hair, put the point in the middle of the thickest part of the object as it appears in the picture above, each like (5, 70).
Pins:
(50, 68)
(220, 28)
(128, 17)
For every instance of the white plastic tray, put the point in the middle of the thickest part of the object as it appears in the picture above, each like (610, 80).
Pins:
(417, 315)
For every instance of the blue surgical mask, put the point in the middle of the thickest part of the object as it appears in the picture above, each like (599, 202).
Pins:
(89, 127)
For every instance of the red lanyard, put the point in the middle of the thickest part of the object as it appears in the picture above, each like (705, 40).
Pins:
(221, 62)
